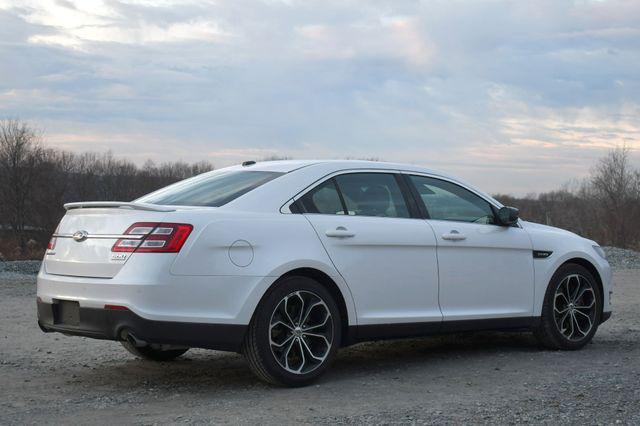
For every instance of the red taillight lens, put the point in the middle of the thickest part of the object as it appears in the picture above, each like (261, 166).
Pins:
(158, 238)
(52, 241)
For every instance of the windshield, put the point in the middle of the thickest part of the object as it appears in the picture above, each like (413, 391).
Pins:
(210, 189)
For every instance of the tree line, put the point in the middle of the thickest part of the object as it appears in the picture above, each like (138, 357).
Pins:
(604, 207)
(35, 182)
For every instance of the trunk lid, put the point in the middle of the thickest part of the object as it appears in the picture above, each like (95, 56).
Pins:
(102, 224)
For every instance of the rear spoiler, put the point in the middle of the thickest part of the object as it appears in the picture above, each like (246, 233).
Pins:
(118, 204)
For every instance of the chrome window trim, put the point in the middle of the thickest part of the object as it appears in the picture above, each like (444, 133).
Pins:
(285, 207)
(331, 175)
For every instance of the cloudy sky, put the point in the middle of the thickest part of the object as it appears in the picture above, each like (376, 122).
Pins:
(515, 96)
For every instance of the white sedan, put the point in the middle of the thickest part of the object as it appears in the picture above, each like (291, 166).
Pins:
(285, 262)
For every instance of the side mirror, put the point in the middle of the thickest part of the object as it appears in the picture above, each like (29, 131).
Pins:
(508, 216)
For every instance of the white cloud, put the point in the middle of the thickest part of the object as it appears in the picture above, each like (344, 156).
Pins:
(79, 23)
(387, 38)
(494, 91)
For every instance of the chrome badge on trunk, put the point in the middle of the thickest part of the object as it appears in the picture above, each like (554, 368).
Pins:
(80, 236)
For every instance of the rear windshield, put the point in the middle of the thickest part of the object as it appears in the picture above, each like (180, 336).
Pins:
(210, 189)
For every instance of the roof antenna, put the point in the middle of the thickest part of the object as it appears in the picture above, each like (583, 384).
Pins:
(248, 163)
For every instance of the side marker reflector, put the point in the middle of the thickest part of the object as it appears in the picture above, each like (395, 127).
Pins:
(116, 308)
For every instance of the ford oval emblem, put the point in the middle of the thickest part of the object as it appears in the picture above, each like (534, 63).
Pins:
(80, 236)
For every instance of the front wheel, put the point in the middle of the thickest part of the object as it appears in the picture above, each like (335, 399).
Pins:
(572, 309)
(294, 333)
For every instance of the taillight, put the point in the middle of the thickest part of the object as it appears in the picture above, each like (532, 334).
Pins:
(156, 238)
(52, 241)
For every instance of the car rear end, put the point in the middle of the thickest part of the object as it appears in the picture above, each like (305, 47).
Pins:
(107, 275)
(107, 271)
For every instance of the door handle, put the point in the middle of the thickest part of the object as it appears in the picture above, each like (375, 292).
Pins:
(339, 232)
(454, 236)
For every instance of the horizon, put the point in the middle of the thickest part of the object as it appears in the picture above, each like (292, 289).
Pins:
(514, 98)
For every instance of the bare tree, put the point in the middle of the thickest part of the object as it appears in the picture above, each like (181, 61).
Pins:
(604, 207)
(616, 188)
(20, 158)
(363, 158)
(50, 188)
(276, 157)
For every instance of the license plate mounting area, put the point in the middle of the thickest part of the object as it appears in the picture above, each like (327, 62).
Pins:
(66, 312)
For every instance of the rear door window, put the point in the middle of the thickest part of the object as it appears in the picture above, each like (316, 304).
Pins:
(372, 194)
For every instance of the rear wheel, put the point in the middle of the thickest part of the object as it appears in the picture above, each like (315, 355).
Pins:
(294, 334)
(153, 354)
(572, 309)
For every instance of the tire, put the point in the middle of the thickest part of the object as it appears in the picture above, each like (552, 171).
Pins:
(152, 354)
(282, 344)
(566, 323)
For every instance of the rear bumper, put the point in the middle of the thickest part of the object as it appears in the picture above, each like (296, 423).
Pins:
(153, 293)
(110, 324)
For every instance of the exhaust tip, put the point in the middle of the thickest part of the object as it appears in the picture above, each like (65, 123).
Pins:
(128, 336)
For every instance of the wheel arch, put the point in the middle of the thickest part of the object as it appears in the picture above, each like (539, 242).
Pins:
(327, 282)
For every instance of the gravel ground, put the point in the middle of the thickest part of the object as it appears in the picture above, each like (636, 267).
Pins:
(622, 258)
(483, 378)
(10, 269)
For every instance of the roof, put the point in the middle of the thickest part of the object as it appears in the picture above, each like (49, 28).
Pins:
(286, 166)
